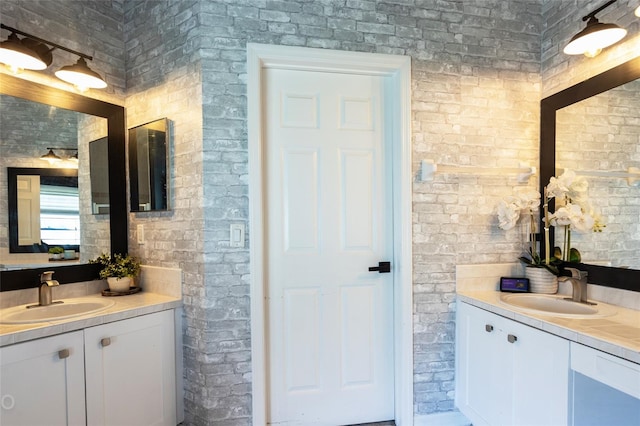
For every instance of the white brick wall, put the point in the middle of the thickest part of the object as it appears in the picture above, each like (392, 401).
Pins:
(476, 88)
(562, 21)
(476, 92)
(596, 134)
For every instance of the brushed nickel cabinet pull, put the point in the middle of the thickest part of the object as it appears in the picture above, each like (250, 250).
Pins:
(488, 328)
(105, 342)
(511, 338)
(64, 353)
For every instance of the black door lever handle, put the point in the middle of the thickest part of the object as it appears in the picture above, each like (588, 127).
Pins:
(382, 268)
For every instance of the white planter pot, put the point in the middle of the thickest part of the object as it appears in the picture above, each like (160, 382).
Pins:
(119, 285)
(541, 280)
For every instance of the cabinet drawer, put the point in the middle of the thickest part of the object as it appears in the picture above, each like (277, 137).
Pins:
(618, 373)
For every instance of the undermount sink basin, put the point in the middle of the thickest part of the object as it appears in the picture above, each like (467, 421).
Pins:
(67, 309)
(554, 305)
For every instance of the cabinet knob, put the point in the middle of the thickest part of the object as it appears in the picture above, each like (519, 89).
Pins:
(488, 328)
(64, 353)
(511, 338)
(105, 342)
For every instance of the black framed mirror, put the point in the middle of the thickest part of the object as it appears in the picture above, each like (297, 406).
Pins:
(149, 166)
(34, 227)
(115, 116)
(617, 277)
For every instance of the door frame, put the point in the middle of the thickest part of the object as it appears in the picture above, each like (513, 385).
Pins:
(398, 69)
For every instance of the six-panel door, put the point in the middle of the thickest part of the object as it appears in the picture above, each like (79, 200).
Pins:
(329, 209)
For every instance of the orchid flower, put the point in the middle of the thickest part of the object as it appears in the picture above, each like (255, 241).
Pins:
(508, 215)
(568, 185)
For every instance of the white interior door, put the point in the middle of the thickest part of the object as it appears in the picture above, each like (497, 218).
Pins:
(28, 209)
(328, 208)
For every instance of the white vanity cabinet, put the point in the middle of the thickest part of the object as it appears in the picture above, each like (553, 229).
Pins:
(42, 382)
(130, 371)
(119, 373)
(605, 389)
(507, 372)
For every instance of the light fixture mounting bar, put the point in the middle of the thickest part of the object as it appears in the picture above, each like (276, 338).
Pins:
(50, 43)
(598, 10)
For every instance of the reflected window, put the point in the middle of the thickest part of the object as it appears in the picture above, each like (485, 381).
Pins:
(59, 215)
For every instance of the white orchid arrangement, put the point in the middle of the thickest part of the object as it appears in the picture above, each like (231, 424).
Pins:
(575, 213)
(524, 204)
(526, 201)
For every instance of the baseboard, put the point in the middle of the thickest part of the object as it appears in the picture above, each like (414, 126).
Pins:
(450, 418)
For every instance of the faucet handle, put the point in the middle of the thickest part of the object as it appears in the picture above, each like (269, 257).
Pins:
(46, 276)
(576, 273)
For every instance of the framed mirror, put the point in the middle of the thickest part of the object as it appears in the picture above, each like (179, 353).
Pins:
(149, 168)
(593, 128)
(115, 133)
(44, 209)
(99, 172)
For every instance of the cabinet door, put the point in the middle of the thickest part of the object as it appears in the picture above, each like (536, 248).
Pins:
(480, 365)
(130, 372)
(43, 382)
(508, 373)
(539, 377)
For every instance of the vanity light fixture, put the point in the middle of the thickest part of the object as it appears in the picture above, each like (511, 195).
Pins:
(24, 54)
(52, 157)
(81, 76)
(34, 53)
(596, 36)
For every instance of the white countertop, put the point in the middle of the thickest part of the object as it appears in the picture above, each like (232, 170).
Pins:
(617, 335)
(125, 307)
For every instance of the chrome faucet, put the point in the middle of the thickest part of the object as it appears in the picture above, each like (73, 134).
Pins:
(44, 291)
(578, 281)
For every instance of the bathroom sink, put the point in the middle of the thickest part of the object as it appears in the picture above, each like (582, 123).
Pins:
(67, 309)
(554, 305)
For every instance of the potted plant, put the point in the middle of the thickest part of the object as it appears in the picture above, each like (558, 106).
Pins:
(575, 211)
(542, 273)
(56, 252)
(118, 270)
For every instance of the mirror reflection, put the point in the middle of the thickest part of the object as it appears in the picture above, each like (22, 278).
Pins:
(99, 172)
(599, 138)
(28, 131)
(45, 209)
(149, 166)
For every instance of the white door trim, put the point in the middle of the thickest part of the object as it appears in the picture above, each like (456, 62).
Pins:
(398, 68)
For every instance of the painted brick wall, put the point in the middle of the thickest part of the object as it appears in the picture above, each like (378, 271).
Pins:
(562, 20)
(91, 27)
(476, 92)
(164, 80)
(601, 133)
(475, 98)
